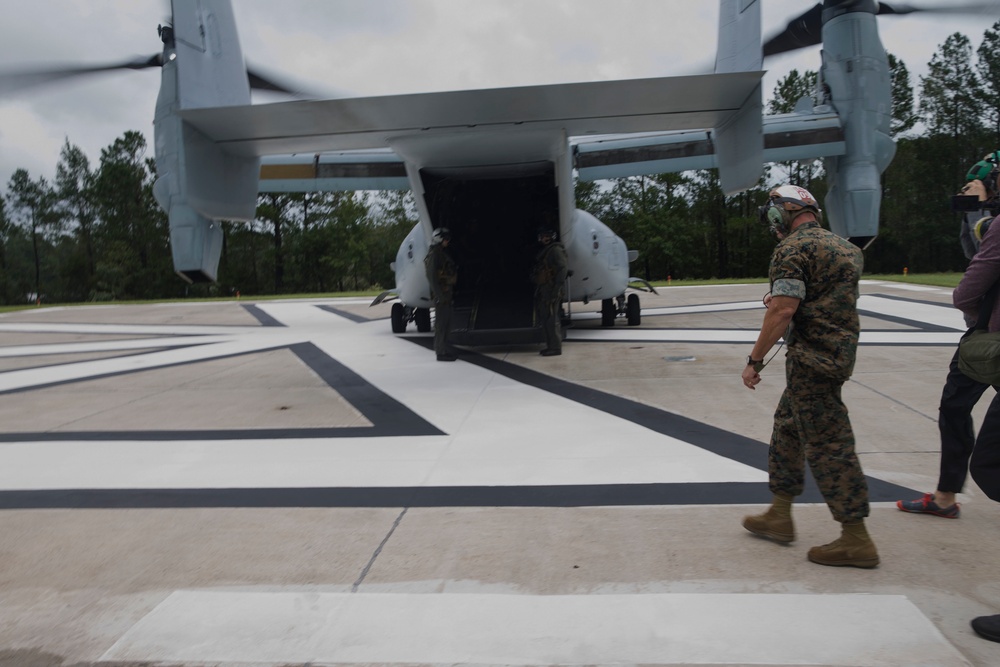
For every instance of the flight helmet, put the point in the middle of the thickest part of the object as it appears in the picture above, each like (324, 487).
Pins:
(784, 203)
(440, 234)
(547, 231)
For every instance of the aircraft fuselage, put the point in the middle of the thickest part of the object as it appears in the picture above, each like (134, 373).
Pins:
(494, 192)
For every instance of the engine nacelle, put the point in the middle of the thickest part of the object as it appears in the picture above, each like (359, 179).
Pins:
(855, 72)
(198, 183)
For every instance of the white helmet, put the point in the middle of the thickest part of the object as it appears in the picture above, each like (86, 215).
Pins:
(440, 234)
(784, 203)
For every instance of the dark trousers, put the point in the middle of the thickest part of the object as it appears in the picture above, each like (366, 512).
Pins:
(442, 327)
(547, 312)
(958, 438)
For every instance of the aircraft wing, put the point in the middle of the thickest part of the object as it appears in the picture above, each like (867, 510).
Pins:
(379, 169)
(787, 137)
(606, 107)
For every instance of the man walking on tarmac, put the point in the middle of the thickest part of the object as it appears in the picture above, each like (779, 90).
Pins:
(442, 274)
(549, 276)
(814, 287)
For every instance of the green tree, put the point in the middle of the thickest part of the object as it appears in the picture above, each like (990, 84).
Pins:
(273, 211)
(988, 68)
(393, 214)
(5, 275)
(33, 206)
(903, 116)
(74, 181)
(788, 92)
(790, 89)
(950, 99)
(132, 249)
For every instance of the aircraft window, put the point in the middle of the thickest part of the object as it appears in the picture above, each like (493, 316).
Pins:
(597, 244)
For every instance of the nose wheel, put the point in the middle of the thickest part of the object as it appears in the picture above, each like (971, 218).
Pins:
(402, 315)
(620, 305)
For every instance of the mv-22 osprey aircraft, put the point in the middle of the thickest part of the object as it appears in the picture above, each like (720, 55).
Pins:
(495, 165)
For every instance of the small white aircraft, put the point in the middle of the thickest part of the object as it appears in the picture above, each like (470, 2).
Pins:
(495, 165)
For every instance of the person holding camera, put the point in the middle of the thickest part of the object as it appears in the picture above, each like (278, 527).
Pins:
(814, 285)
(961, 393)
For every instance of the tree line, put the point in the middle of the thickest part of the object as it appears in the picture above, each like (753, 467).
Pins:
(97, 234)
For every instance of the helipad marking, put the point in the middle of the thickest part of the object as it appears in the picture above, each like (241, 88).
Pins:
(302, 627)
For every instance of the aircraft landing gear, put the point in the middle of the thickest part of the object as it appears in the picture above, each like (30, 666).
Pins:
(608, 312)
(399, 317)
(612, 308)
(402, 315)
(632, 314)
(422, 316)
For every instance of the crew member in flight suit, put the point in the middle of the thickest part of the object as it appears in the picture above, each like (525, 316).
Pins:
(442, 274)
(549, 277)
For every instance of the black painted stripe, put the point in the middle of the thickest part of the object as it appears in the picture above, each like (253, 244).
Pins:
(389, 417)
(577, 495)
(357, 319)
(262, 317)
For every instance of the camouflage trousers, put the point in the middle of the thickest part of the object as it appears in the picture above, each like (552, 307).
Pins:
(811, 425)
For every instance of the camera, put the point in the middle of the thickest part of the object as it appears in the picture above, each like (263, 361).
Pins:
(965, 203)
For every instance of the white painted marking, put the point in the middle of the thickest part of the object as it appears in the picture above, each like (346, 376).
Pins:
(301, 627)
(943, 315)
(683, 310)
(739, 336)
(83, 347)
(909, 287)
(499, 432)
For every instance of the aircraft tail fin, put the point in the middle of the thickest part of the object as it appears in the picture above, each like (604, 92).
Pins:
(198, 182)
(739, 143)
(210, 67)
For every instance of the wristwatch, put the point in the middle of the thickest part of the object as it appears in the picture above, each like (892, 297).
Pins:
(758, 364)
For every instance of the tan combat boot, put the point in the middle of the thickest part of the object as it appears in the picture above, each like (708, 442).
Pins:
(854, 547)
(776, 523)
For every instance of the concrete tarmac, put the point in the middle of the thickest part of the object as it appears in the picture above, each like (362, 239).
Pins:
(289, 483)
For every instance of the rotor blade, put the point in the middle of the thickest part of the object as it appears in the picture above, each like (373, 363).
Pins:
(14, 81)
(802, 31)
(807, 28)
(270, 82)
(260, 82)
(901, 8)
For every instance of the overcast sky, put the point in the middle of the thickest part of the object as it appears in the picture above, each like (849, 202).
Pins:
(371, 47)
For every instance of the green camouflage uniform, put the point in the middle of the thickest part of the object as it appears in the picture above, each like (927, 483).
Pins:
(442, 274)
(811, 422)
(549, 277)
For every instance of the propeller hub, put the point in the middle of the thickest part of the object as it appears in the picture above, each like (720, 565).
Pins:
(166, 33)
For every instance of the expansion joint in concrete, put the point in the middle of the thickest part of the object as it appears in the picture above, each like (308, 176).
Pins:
(371, 561)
